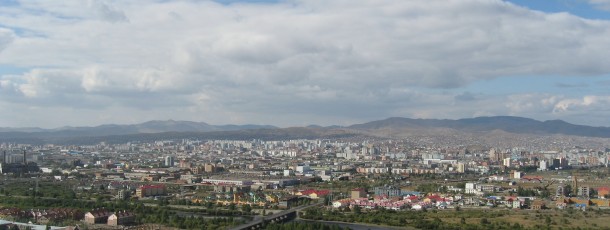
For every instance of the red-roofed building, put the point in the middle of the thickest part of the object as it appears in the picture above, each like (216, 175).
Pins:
(433, 199)
(313, 194)
(151, 190)
(412, 199)
(603, 192)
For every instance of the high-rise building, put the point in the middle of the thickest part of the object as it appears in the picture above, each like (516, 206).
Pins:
(506, 162)
(493, 157)
(169, 161)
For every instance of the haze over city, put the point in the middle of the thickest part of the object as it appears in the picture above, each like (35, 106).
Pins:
(293, 63)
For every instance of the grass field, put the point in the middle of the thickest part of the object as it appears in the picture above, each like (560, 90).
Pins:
(555, 219)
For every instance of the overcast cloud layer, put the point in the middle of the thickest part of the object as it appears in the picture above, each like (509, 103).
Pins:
(296, 62)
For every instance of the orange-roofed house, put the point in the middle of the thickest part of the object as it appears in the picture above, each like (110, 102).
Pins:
(313, 194)
(601, 202)
(603, 192)
(433, 199)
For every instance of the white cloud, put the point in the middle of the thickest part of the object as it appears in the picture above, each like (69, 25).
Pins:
(356, 59)
(585, 104)
(529, 103)
(601, 4)
(6, 37)
(107, 12)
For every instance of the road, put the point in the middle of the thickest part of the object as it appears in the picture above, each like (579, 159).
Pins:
(260, 219)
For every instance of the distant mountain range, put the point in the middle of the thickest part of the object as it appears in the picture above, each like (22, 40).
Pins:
(146, 127)
(388, 128)
(115, 130)
(509, 124)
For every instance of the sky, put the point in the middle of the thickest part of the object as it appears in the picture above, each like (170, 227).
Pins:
(302, 62)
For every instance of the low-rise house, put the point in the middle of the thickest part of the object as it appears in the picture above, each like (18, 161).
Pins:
(442, 205)
(601, 202)
(417, 207)
(121, 218)
(517, 204)
(585, 202)
(471, 201)
(538, 204)
(313, 194)
(433, 199)
(56, 214)
(562, 203)
(97, 216)
(420, 206)
(341, 203)
(603, 192)
(411, 199)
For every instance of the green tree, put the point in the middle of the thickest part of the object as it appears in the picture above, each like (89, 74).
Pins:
(357, 209)
(545, 193)
(56, 172)
(567, 190)
(484, 221)
(547, 220)
(246, 208)
(592, 193)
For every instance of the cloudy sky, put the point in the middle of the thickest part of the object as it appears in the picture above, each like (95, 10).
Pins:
(301, 62)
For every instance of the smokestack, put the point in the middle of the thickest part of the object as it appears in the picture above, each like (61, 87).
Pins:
(4, 157)
(24, 161)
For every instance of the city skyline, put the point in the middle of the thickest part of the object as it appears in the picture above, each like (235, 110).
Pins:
(296, 63)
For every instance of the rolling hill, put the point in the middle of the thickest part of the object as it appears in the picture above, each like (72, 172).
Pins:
(395, 127)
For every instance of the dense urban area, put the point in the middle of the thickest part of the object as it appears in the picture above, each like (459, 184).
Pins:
(303, 184)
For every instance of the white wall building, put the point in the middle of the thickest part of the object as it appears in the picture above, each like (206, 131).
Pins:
(506, 162)
(542, 166)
